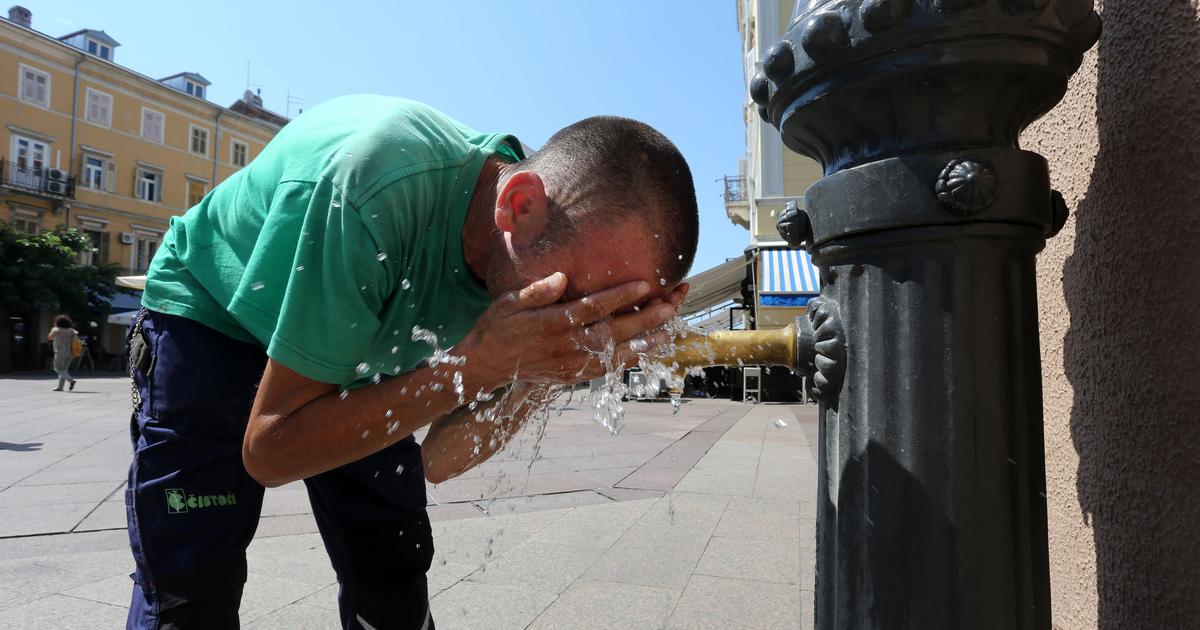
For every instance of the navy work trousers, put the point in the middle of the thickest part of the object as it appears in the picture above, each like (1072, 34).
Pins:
(192, 508)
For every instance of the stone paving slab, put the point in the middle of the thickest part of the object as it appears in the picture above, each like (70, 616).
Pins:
(560, 538)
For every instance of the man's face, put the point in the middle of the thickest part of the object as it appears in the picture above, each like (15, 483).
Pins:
(601, 259)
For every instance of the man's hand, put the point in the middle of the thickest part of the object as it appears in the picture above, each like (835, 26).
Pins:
(528, 336)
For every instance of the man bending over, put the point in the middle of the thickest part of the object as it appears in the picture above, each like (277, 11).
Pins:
(283, 335)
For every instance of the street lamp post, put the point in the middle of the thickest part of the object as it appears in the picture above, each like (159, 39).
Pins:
(931, 504)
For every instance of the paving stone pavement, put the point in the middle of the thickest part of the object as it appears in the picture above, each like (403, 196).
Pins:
(703, 519)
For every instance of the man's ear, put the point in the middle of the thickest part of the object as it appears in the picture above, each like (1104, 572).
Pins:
(521, 207)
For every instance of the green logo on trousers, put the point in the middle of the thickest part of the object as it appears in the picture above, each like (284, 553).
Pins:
(180, 502)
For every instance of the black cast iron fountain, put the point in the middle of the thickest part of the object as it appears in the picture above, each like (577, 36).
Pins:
(931, 497)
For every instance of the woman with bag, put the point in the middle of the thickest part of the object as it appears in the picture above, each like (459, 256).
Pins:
(67, 345)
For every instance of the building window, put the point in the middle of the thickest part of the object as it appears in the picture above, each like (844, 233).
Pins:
(144, 246)
(99, 108)
(195, 191)
(28, 162)
(199, 140)
(97, 254)
(100, 50)
(195, 89)
(152, 125)
(149, 184)
(238, 153)
(27, 221)
(98, 173)
(93, 172)
(35, 86)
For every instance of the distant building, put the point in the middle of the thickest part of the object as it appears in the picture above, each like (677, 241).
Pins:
(97, 146)
(769, 176)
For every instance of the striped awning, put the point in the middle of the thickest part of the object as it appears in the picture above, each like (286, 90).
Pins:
(787, 271)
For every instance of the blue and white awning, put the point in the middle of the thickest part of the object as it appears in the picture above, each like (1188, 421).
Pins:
(788, 271)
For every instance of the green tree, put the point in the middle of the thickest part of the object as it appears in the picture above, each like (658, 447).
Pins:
(39, 271)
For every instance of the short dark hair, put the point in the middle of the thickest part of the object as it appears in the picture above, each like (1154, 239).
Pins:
(611, 170)
(62, 321)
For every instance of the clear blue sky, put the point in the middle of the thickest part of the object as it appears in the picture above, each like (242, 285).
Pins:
(525, 67)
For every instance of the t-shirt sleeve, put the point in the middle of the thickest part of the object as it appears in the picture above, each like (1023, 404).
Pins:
(313, 286)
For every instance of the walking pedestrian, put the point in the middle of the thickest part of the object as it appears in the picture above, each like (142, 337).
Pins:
(63, 338)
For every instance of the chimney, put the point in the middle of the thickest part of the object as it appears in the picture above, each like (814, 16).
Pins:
(252, 99)
(20, 16)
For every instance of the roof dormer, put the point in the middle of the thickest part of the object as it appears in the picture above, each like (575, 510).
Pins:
(92, 42)
(188, 82)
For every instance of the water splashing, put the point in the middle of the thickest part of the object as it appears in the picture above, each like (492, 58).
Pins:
(439, 356)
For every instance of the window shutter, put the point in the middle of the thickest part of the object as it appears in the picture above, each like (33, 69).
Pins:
(110, 175)
(102, 255)
(160, 181)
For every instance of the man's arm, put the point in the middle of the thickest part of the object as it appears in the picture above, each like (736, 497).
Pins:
(467, 438)
(300, 427)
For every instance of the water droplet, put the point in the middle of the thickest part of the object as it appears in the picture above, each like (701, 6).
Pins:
(362, 368)
(376, 378)
(675, 403)
(256, 286)
(662, 282)
(365, 434)
(300, 268)
(780, 423)
(343, 394)
(387, 414)
(400, 469)
(405, 284)
(418, 545)
(395, 349)
(335, 204)
(680, 257)
(392, 426)
(381, 257)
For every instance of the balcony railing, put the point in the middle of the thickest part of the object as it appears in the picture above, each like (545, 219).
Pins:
(735, 190)
(49, 182)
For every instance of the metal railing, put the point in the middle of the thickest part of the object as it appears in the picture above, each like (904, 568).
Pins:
(735, 190)
(51, 182)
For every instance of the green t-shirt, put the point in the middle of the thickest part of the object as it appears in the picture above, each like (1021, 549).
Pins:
(338, 239)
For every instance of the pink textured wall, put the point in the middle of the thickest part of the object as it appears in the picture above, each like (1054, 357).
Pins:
(1120, 325)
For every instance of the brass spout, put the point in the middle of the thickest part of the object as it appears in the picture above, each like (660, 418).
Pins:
(737, 347)
(813, 344)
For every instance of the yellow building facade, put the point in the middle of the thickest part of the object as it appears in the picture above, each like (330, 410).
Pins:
(96, 146)
(93, 145)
